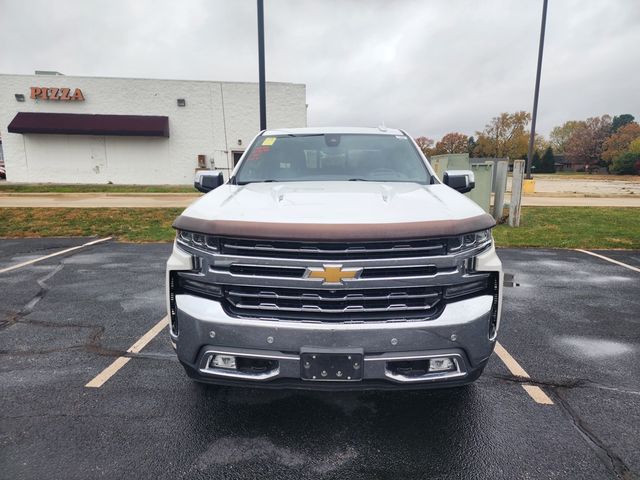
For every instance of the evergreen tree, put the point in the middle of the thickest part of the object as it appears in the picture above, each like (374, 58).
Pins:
(536, 165)
(471, 146)
(620, 121)
(548, 162)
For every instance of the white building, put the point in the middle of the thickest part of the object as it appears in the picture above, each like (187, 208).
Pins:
(65, 129)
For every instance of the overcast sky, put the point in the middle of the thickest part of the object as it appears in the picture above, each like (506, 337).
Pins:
(429, 66)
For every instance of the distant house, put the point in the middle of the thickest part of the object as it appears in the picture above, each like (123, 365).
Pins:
(563, 164)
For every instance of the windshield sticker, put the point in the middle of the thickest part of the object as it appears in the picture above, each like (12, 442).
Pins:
(269, 141)
(258, 152)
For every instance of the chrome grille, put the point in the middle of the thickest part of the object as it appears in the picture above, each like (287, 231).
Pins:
(281, 271)
(399, 280)
(334, 305)
(333, 250)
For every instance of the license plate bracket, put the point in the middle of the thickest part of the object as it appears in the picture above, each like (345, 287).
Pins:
(331, 365)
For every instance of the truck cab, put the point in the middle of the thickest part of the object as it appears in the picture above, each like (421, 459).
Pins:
(334, 258)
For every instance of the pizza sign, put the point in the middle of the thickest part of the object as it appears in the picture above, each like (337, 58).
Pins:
(53, 93)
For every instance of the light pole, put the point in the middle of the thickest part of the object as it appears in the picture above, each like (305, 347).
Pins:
(262, 86)
(537, 90)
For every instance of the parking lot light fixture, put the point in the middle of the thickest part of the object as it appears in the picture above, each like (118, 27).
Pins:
(534, 114)
(261, 73)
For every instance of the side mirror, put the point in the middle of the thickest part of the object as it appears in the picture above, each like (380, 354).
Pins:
(460, 180)
(207, 180)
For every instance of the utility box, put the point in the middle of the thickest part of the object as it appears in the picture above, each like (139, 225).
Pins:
(481, 194)
(483, 173)
(452, 161)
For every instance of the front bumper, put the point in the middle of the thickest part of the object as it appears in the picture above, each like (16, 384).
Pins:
(461, 332)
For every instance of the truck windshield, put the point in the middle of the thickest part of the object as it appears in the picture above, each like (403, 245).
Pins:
(332, 157)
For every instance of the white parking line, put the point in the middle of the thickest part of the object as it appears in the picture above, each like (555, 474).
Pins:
(120, 362)
(61, 252)
(535, 392)
(635, 269)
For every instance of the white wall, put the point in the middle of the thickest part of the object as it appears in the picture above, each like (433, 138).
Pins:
(216, 116)
(89, 159)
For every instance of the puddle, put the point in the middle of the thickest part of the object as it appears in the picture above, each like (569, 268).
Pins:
(594, 347)
(229, 450)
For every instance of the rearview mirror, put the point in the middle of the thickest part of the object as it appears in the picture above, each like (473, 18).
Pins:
(460, 180)
(207, 180)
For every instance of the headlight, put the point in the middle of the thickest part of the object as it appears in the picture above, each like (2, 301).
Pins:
(197, 240)
(470, 241)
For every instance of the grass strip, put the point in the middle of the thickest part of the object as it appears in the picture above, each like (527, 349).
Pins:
(127, 224)
(573, 227)
(545, 227)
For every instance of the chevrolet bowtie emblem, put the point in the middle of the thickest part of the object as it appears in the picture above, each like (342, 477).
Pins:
(333, 274)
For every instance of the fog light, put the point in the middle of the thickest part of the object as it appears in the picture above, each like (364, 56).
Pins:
(224, 361)
(444, 364)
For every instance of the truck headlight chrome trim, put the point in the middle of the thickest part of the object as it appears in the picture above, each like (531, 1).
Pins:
(198, 240)
(470, 241)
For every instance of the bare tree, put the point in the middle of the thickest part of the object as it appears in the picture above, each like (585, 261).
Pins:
(426, 145)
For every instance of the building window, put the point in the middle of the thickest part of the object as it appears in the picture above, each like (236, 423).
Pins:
(236, 157)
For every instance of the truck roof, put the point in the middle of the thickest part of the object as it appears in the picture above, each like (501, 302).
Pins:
(335, 130)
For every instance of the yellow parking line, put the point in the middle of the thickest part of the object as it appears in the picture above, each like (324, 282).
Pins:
(61, 252)
(147, 337)
(536, 393)
(108, 372)
(635, 269)
(120, 362)
(513, 366)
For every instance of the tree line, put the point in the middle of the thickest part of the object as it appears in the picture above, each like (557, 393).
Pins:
(597, 142)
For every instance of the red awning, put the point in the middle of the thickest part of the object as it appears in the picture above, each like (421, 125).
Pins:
(85, 124)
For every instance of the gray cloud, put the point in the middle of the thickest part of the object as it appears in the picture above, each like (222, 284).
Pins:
(428, 66)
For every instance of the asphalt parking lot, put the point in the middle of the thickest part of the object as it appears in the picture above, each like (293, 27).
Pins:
(572, 325)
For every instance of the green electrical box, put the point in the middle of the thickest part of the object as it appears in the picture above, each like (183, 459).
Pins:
(453, 161)
(481, 194)
(483, 173)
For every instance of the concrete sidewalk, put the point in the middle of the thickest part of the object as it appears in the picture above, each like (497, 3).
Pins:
(182, 200)
(576, 201)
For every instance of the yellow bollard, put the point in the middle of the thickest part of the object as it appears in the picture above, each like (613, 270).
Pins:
(528, 186)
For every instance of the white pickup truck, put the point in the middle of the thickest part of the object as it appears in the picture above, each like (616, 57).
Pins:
(334, 258)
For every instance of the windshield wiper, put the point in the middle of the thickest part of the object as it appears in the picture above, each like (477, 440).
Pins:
(257, 181)
(360, 180)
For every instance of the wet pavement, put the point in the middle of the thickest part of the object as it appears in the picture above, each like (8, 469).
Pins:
(573, 324)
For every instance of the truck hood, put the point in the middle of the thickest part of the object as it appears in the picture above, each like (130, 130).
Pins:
(351, 206)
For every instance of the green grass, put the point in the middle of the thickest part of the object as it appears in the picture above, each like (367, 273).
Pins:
(573, 227)
(548, 227)
(92, 188)
(127, 224)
